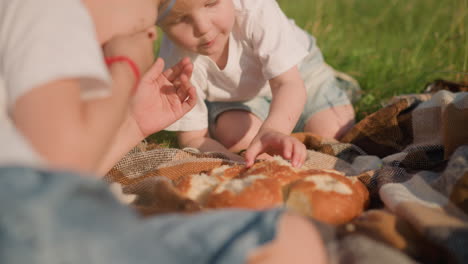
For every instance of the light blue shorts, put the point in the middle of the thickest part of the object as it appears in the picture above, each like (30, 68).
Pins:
(329, 95)
(319, 97)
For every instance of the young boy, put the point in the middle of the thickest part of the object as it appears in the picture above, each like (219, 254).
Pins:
(250, 67)
(60, 105)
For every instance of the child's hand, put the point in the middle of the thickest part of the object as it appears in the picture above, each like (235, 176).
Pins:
(138, 47)
(162, 98)
(276, 143)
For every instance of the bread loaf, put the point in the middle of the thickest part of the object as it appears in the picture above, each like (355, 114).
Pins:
(198, 186)
(254, 192)
(326, 195)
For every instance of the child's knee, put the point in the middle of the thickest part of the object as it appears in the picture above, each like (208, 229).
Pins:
(233, 139)
(236, 129)
(230, 141)
(332, 122)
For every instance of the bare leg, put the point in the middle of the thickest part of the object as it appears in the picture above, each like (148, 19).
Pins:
(332, 122)
(236, 129)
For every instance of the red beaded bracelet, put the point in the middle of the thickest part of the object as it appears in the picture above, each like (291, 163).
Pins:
(130, 62)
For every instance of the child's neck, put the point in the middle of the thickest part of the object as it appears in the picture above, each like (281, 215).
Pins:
(221, 58)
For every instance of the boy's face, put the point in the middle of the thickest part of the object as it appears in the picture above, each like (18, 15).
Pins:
(201, 26)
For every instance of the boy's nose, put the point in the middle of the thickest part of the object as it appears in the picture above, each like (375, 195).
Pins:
(201, 26)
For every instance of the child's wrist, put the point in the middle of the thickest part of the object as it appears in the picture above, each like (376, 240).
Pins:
(270, 127)
(130, 63)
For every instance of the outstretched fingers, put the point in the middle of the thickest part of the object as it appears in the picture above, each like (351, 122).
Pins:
(186, 93)
(175, 71)
(151, 76)
(288, 149)
(294, 151)
(299, 154)
(182, 83)
(188, 68)
(252, 152)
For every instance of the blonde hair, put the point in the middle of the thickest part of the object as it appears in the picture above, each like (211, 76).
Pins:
(165, 8)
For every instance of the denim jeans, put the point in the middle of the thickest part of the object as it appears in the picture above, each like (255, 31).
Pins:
(61, 217)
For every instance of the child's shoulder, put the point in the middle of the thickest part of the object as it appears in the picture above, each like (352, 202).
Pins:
(250, 5)
(249, 11)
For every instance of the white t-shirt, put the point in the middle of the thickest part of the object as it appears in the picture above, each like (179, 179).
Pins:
(42, 41)
(263, 44)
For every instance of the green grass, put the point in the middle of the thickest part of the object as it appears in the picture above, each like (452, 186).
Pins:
(391, 47)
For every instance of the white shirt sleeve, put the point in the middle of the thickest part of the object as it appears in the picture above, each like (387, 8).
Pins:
(274, 38)
(40, 42)
(47, 40)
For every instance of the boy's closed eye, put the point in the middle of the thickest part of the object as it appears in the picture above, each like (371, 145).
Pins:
(178, 20)
(178, 16)
(211, 3)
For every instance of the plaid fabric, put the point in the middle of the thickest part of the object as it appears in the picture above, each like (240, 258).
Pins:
(412, 155)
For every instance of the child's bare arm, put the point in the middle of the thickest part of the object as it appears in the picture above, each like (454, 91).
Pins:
(287, 104)
(70, 133)
(200, 139)
(288, 101)
(67, 132)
